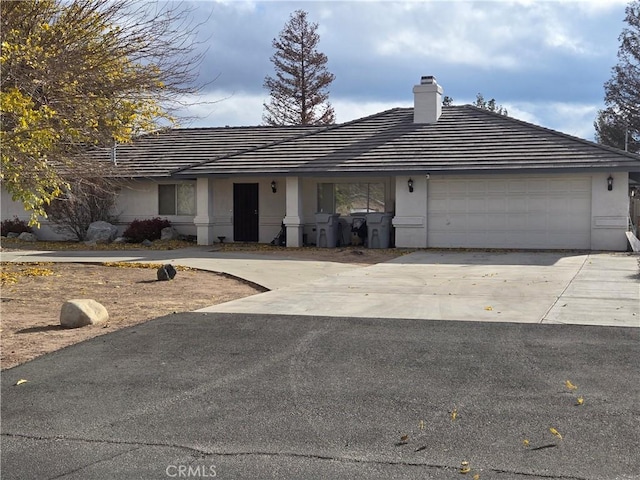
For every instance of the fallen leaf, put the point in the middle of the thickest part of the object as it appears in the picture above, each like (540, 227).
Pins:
(21, 381)
(555, 432)
(454, 414)
(579, 401)
(421, 425)
(488, 309)
(464, 467)
(570, 385)
(404, 438)
(525, 442)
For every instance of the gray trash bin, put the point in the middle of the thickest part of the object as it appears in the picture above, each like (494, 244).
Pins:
(379, 229)
(327, 229)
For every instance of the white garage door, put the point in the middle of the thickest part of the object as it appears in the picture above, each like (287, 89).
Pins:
(510, 212)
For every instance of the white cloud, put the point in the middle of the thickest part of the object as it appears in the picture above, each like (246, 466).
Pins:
(526, 53)
(347, 110)
(595, 7)
(571, 118)
(221, 108)
(505, 35)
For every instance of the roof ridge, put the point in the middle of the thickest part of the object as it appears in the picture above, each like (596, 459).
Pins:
(550, 130)
(167, 129)
(244, 127)
(320, 129)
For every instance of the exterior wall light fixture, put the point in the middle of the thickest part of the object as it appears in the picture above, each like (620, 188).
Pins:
(274, 188)
(610, 183)
(410, 184)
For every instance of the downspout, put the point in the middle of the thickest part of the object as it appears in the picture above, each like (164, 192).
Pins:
(114, 156)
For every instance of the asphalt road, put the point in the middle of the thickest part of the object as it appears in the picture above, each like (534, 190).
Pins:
(236, 396)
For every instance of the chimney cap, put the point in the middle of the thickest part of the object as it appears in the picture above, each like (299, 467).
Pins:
(427, 80)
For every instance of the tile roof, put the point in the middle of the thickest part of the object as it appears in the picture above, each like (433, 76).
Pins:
(465, 139)
(159, 154)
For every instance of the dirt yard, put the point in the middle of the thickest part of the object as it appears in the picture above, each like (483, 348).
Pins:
(32, 295)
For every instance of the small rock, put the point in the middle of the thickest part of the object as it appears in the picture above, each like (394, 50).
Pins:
(27, 237)
(166, 272)
(13, 235)
(146, 243)
(80, 312)
(120, 240)
(168, 233)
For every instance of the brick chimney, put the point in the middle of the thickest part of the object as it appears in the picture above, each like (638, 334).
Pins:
(427, 101)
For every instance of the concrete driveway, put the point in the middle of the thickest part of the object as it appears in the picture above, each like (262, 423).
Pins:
(522, 287)
(288, 397)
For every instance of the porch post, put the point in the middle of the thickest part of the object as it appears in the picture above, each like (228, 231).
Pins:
(204, 209)
(293, 215)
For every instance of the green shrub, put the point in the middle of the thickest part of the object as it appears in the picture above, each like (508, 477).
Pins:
(151, 229)
(14, 225)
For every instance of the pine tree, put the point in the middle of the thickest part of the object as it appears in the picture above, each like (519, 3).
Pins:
(622, 91)
(299, 91)
(612, 130)
(489, 105)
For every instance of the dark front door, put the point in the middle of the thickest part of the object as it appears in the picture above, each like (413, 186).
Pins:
(245, 212)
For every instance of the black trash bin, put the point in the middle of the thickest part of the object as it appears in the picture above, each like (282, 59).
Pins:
(359, 230)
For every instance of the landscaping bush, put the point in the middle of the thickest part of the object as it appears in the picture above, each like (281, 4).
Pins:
(140, 230)
(14, 225)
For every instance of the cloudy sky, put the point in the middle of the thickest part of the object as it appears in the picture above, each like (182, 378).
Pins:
(545, 61)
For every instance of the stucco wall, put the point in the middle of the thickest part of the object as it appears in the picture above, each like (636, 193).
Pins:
(11, 209)
(138, 200)
(609, 211)
(410, 219)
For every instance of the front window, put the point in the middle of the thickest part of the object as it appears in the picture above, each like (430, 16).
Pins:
(177, 199)
(349, 198)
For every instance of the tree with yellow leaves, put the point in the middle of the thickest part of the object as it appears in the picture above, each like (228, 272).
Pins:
(81, 74)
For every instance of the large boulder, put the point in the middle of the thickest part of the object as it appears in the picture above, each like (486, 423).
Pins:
(82, 311)
(101, 232)
(166, 272)
(168, 233)
(27, 237)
